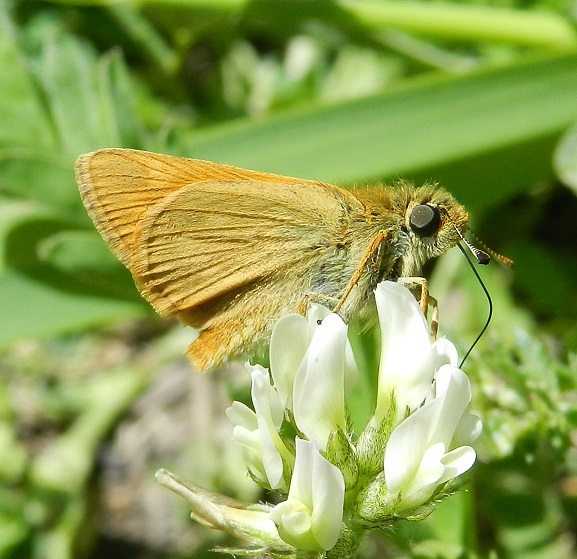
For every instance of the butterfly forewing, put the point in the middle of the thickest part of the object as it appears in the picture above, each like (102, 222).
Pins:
(119, 186)
(210, 242)
(228, 236)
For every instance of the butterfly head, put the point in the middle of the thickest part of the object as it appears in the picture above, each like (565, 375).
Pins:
(433, 223)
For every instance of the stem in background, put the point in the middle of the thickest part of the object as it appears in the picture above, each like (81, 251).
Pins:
(434, 19)
(473, 23)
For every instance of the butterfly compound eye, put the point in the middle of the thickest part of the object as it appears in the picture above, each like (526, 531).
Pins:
(425, 220)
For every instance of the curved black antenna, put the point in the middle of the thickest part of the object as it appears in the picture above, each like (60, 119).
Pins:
(488, 299)
(482, 258)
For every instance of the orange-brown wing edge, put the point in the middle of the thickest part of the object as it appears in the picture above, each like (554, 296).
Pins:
(118, 186)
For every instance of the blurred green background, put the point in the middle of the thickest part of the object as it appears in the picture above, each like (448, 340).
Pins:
(480, 96)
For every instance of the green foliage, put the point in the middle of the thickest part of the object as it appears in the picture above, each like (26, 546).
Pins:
(480, 97)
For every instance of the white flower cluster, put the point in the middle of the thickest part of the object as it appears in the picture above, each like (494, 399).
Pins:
(297, 441)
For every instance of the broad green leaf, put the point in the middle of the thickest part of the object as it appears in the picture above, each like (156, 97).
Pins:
(42, 175)
(417, 128)
(59, 280)
(86, 259)
(90, 100)
(23, 120)
(14, 212)
(33, 308)
(70, 82)
(44, 248)
(117, 101)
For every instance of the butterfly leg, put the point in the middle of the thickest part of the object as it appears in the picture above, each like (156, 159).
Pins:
(372, 250)
(421, 284)
(425, 300)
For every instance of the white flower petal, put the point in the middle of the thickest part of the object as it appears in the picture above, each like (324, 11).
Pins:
(319, 399)
(445, 353)
(468, 430)
(311, 516)
(250, 443)
(296, 523)
(246, 438)
(328, 501)
(265, 398)
(407, 362)
(288, 344)
(457, 462)
(240, 414)
(315, 315)
(454, 390)
(245, 433)
(407, 445)
(431, 468)
(418, 456)
(269, 412)
(302, 478)
(426, 479)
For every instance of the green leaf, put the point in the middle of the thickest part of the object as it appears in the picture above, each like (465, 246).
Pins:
(44, 248)
(23, 120)
(86, 259)
(32, 308)
(59, 280)
(117, 101)
(69, 79)
(41, 175)
(469, 122)
(90, 100)
(13, 213)
(468, 22)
